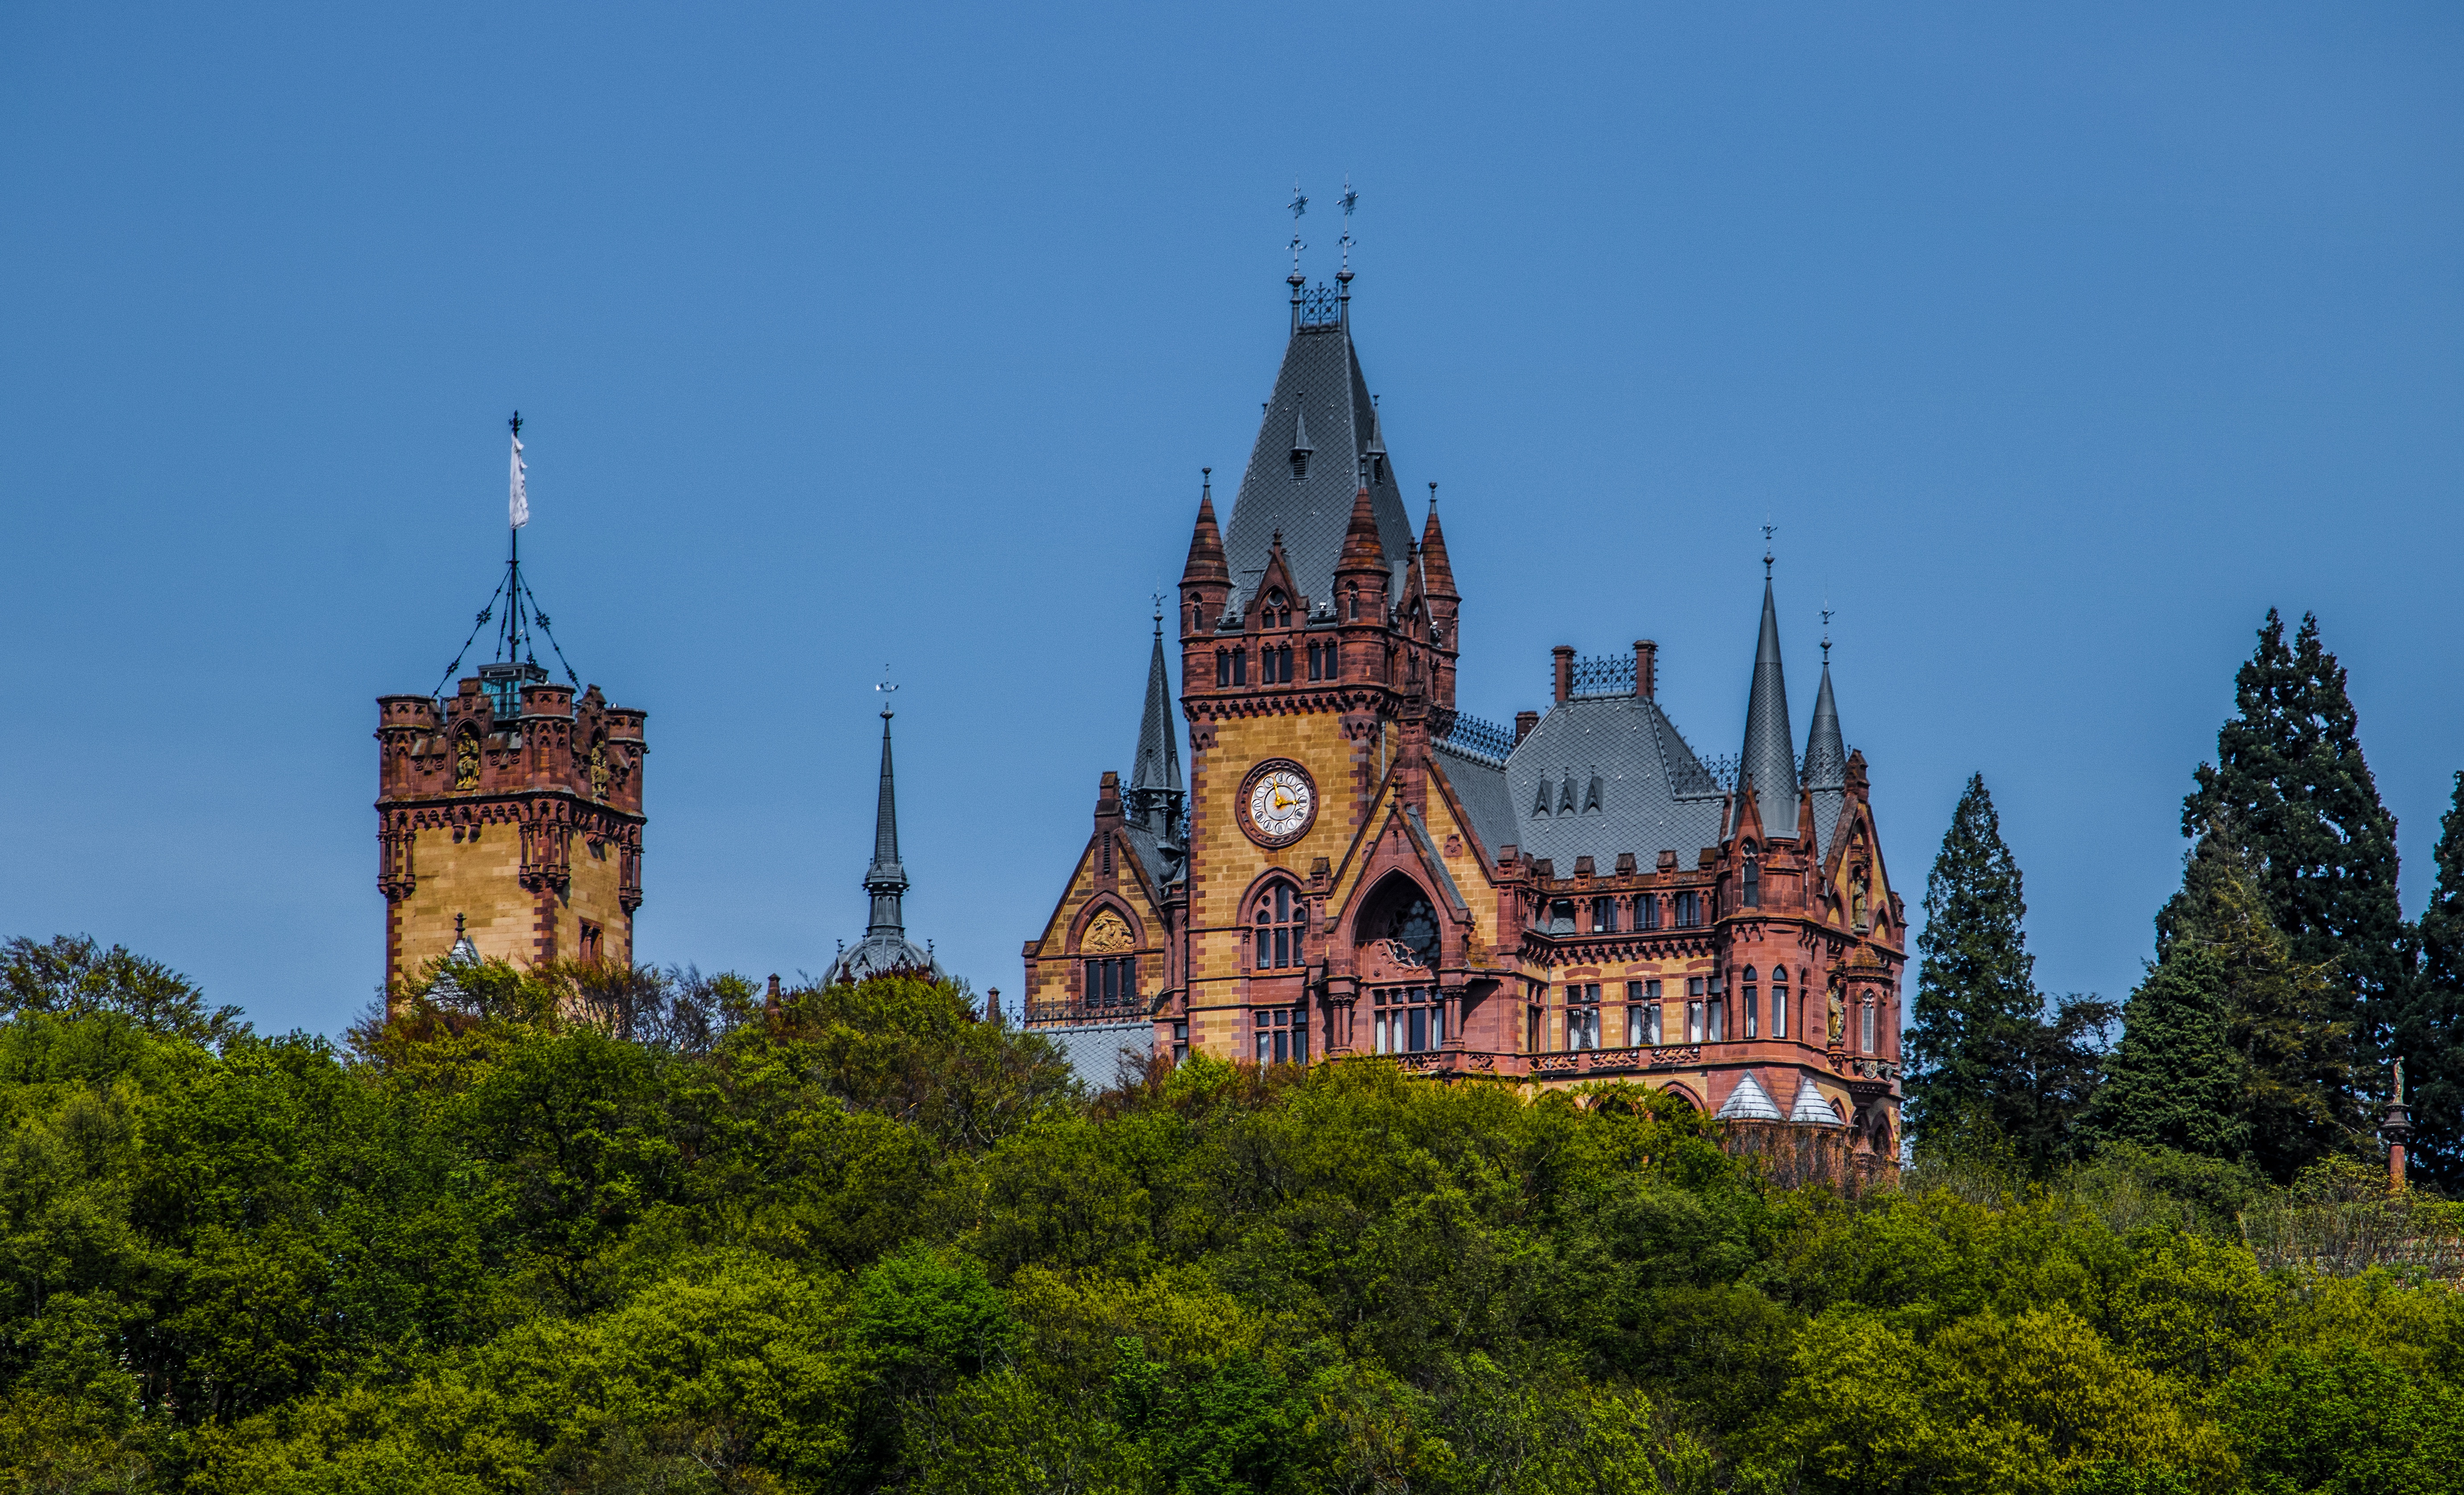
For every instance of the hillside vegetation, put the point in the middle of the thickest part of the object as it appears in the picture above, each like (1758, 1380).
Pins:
(575, 1231)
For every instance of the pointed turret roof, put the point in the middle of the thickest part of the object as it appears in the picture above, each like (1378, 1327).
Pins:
(1320, 406)
(1205, 542)
(1157, 773)
(1437, 573)
(1770, 754)
(1826, 755)
(1810, 1107)
(885, 948)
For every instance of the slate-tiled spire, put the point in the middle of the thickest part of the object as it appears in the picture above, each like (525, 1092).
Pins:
(1826, 754)
(1769, 756)
(885, 879)
(1154, 780)
(1320, 405)
(884, 949)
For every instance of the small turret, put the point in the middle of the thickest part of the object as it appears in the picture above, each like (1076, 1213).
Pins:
(1769, 759)
(884, 949)
(1154, 776)
(1205, 579)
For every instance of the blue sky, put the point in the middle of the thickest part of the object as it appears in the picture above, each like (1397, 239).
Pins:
(2059, 341)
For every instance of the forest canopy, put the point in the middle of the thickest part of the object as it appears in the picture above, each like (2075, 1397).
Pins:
(580, 1231)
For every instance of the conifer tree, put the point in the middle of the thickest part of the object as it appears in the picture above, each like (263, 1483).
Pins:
(2290, 1049)
(1975, 981)
(2429, 1033)
(2171, 1081)
(2290, 779)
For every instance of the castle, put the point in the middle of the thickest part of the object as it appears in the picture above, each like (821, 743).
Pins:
(1355, 867)
(1352, 866)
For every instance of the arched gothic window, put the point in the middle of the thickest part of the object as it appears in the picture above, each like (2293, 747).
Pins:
(1281, 923)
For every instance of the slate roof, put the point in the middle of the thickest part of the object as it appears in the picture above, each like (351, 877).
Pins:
(1093, 1050)
(1320, 401)
(1601, 774)
(1768, 759)
(1811, 1106)
(1826, 764)
(1481, 787)
(1749, 1102)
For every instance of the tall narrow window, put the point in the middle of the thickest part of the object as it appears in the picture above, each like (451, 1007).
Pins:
(1240, 666)
(1779, 1002)
(1603, 915)
(1223, 667)
(1865, 1027)
(1315, 673)
(1754, 884)
(1694, 1010)
(1749, 1006)
(1284, 660)
(1111, 981)
(1646, 911)
(1280, 923)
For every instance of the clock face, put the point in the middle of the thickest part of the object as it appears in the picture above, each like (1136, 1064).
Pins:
(1277, 802)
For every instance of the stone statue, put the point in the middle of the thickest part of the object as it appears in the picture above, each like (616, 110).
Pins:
(1839, 1015)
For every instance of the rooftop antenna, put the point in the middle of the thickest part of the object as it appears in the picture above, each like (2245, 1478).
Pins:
(887, 689)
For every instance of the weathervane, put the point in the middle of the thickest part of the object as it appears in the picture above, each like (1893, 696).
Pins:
(887, 689)
(1158, 611)
(1299, 205)
(1349, 200)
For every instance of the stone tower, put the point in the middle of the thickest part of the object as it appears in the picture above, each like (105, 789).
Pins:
(510, 811)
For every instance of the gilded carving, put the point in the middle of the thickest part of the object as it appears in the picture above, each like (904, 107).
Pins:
(466, 761)
(1105, 934)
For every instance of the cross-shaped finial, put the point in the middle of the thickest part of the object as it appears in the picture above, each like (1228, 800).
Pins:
(887, 688)
(517, 423)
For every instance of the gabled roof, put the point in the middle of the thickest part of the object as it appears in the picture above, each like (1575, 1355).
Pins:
(1320, 404)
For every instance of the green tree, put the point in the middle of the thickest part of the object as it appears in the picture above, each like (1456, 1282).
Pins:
(2290, 779)
(2429, 1032)
(72, 976)
(2291, 1045)
(2171, 1082)
(1990, 1071)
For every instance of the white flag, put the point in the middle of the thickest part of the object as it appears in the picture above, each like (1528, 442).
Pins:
(518, 502)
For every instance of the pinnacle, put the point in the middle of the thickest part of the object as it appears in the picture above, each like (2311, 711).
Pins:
(1206, 547)
(1361, 548)
(1439, 575)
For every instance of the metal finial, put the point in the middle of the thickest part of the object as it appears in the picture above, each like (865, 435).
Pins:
(457, 926)
(517, 423)
(1158, 611)
(1206, 482)
(887, 688)
(1351, 199)
(1768, 530)
(1433, 496)
(1299, 205)
(1826, 631)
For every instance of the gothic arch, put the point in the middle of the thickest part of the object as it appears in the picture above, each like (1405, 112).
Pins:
(1400, 909)
(1101, 904)
(1683, 1093)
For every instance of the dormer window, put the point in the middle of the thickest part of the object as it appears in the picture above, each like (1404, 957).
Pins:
(1300, 443)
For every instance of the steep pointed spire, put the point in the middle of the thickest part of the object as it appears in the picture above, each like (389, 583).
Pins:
(1206, 541)
(1154, 780)
(885, 879)
(1826, 754)
(1437, 573)
(1769, 756)
(884, 949)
